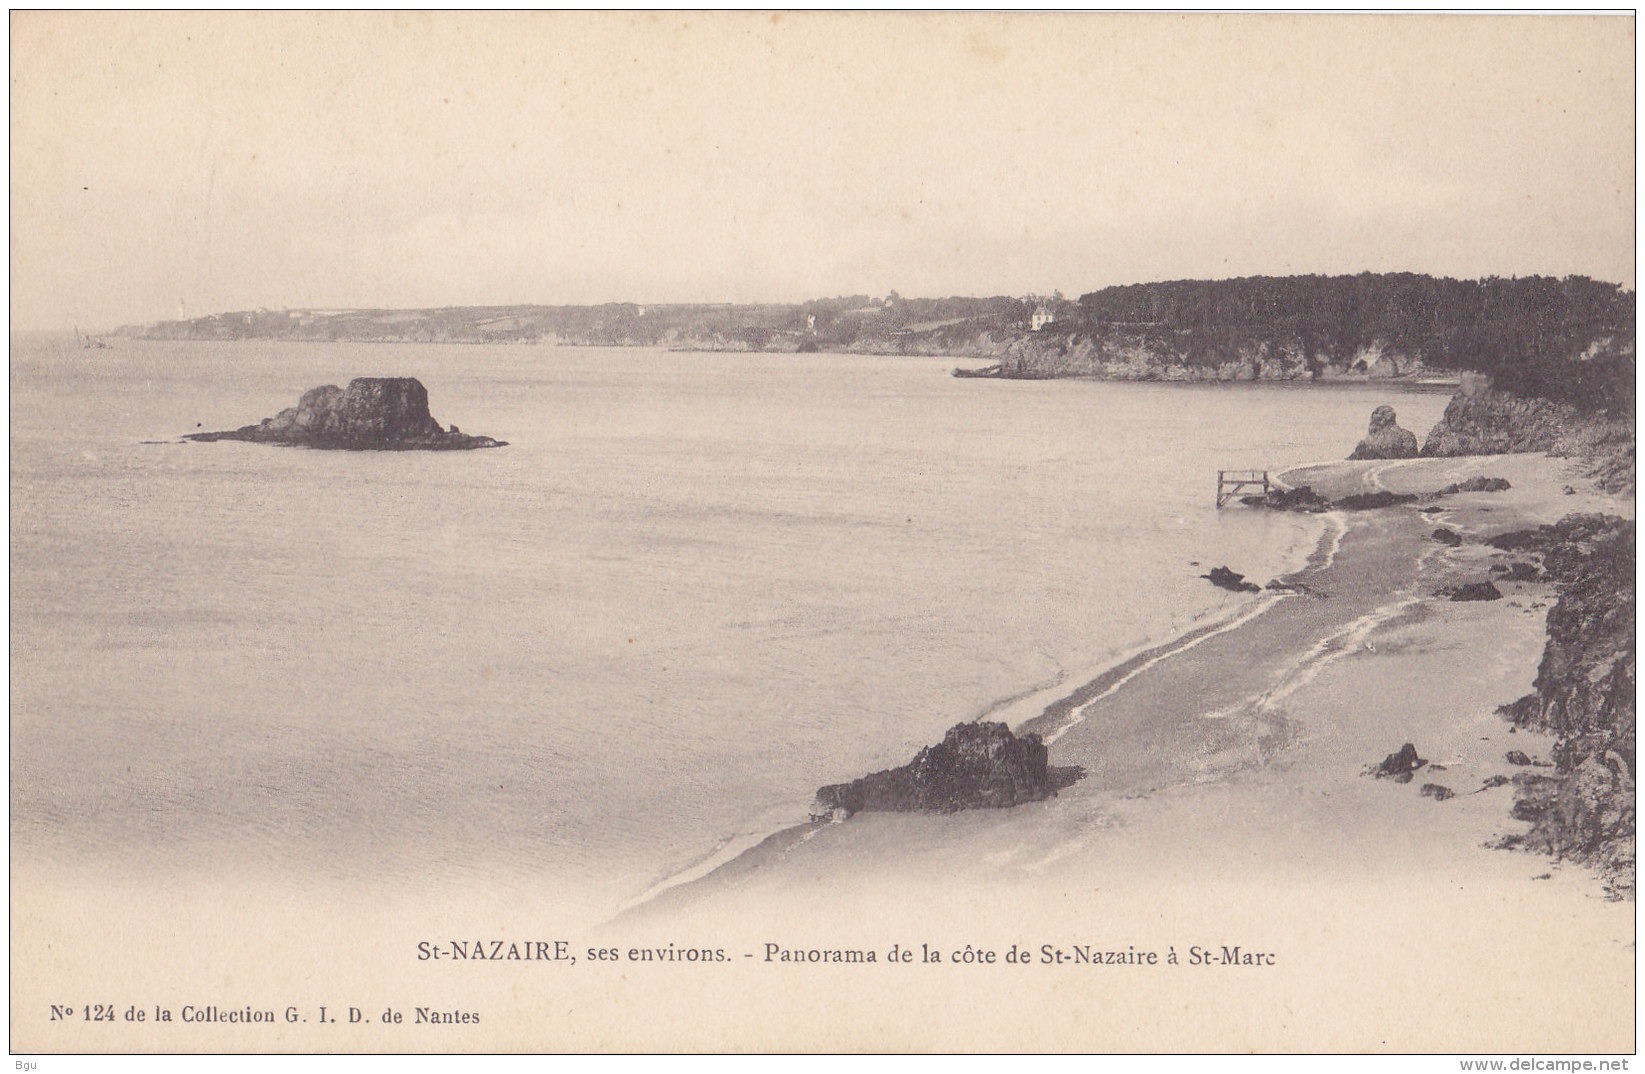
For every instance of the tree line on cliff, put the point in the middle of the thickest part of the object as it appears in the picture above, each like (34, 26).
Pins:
(1566, 339)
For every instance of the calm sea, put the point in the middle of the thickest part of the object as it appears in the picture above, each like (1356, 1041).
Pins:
(694, 588)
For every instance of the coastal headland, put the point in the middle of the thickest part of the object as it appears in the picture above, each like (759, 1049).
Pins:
(1229, 800)
(1369, 326)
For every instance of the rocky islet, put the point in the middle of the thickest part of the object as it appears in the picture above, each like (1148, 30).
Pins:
(371, 414)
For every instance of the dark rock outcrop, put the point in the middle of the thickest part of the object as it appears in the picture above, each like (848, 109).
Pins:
(1447, 537)
(1585, 693)
(1518, 571)
(1233, 581)
(1569, 546)
(1399, 766)
(372, 414)
(1524, 572)
(1301, 498)
(1471, 591)
(1384, 439)
(1537, 540)
(1371, 501)
(975, 766)
(1437, 791)
(1304, 498)
(1477, 484)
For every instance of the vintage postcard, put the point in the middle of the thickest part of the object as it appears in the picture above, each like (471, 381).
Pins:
(772, 532)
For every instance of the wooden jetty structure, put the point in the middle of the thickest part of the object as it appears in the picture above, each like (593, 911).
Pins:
(1231, 483)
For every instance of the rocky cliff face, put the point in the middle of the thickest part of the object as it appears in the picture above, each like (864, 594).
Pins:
(976, 766)
(1585, 693)
(1119, 353)
(373, 413)
(1482, 420)
(1384, 439)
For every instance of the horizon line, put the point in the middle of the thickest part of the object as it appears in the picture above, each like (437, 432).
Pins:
(331, 308)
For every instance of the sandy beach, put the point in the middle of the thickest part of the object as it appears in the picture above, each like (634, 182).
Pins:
(1226, 803)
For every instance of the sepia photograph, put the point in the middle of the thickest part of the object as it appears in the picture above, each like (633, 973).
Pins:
(822, 532)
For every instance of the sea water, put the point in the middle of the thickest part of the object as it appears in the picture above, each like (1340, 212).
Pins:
(693, 588)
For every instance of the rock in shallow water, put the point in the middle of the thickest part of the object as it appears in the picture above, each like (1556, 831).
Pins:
(372, 414)
(975, 766)
(1233, 581)
(1301, 498)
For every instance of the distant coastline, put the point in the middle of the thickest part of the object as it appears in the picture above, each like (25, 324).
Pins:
(1380, 327)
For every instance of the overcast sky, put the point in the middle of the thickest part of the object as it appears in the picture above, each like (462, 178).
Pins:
(195, 163)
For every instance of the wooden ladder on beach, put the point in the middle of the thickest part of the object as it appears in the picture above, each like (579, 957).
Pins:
(1231, 483)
